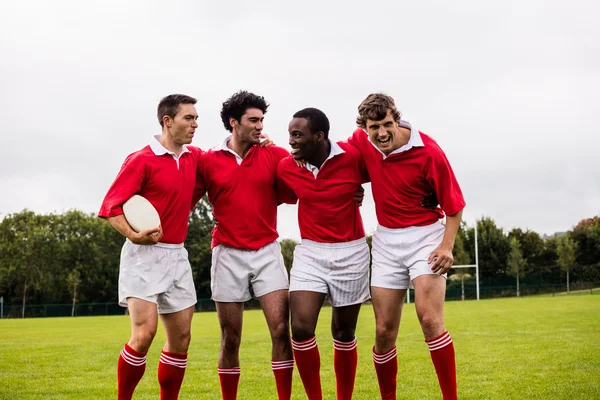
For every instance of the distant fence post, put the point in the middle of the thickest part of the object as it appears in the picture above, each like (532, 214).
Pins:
(2, 307)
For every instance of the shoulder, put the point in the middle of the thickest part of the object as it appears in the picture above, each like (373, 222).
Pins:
(140, 156)
(276, 151)
(286, 163)
(350, 150)
(430, 146)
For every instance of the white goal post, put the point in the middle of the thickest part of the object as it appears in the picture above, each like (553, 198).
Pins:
(476, 266)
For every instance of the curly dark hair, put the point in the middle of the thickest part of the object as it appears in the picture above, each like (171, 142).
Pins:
(375, 108)
(317, 120)
(236, 106)
(169, 105)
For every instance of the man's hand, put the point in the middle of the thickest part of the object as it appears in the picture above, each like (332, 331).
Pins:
(359, 196)
(430, 201)
(265, 140)
(442, 260)
(300, 163)
(147, 237)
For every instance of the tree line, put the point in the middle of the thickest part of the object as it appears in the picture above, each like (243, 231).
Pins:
(73, 257)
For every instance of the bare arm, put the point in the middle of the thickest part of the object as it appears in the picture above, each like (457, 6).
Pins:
(147, 237)
(442, 257)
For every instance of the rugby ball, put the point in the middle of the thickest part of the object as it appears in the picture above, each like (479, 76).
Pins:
(140, 214)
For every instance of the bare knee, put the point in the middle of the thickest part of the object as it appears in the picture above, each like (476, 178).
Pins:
(280, 332)
(386, 334)
(302, 331)
(230, 340)
(141, 338)
(181, 342)
(431, 324)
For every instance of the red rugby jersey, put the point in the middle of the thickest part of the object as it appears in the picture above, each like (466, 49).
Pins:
(401, 180)
(242, 195)
(166, 182)
(327, 210)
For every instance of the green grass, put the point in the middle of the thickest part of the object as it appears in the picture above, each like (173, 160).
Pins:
(527, 348)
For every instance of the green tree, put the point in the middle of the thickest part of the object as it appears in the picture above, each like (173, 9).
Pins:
(28, 248)
(287, 251)
(198, 245)
(494, 248)
(516, 263)
(566, 248)
(461, 257)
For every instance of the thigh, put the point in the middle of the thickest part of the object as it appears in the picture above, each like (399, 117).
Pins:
(420, 246)
(268, 270)
(305, 309)
(343, 322)
(230, 316)
(177, 328)
(430, 292)
(229, 275)
(181, 295)
(387, 306)
(143, 314)
(275, 307)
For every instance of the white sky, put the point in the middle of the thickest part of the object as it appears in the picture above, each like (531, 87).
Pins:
(507, 88)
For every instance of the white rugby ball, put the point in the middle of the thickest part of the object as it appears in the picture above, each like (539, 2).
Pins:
(140, 213)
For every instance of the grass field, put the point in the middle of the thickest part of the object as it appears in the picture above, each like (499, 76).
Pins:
(527, 348)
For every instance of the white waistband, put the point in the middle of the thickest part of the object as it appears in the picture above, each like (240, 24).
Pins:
(160, 244)
(410, 229)
(307, 242)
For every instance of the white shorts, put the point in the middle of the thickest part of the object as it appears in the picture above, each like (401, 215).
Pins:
(159, 273)
(400, 255)
(235, 271)
(340, 270)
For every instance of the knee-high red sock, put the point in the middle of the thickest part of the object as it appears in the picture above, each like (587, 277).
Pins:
(229, 379)
(442, 354)
(283, 371)
(308, 361)
(345, 359)
(171, 370)
(386, 366)
(130, 370)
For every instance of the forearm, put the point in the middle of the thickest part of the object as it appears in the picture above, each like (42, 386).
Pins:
(122, 226)
(452, 225)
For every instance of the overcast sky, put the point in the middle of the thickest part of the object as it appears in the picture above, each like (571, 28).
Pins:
(509, 89)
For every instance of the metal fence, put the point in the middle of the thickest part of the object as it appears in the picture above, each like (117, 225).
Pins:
(452, 293)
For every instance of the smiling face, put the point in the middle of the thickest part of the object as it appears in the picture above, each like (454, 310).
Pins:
(383, 133)
(303, 142)
(250, 126)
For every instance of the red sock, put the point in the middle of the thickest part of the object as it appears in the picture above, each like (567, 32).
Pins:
(386, 366)
(345, 358)
(442, 355)
(283, 371)
(308, 361)
(229, 378)
(130, 370)
(171, 369)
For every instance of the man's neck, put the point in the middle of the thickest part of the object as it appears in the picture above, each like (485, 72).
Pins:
(402, 138)
(319, 158)
(169, 144)
(240, 147)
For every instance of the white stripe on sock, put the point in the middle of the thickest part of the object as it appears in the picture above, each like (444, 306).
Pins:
(385, 357)
(344, 346)
(229, 371)
(304, 346)
(133, 360)
(440, 342)
(176, 362)
(277, 365)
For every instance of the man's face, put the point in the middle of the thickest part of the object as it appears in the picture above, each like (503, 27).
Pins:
(303, 142)
(249, 128)
(383, 133)
(183, 125)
